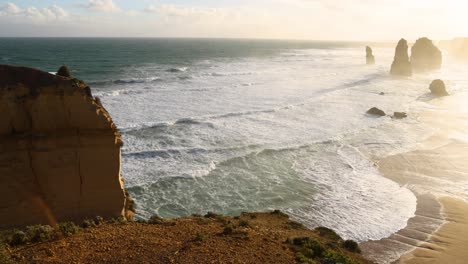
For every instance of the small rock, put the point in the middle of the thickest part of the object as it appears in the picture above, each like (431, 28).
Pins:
(382, 93)
(400, 115)
(376, 111)
(437, 87)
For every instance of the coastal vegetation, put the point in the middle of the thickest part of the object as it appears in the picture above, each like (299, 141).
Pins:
(253, 237)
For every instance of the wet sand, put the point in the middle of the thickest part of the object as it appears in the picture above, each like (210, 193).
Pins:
(450, 243)
(439, 231)
(437, 173)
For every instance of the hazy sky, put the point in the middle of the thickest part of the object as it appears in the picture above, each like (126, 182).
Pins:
(293, 19)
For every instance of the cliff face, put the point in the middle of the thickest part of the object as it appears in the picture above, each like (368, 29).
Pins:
(401, 63)
(425, 56)
(59, 151)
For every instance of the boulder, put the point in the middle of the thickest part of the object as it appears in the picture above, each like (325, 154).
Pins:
(401, 65)
(370, 59)
(64, 72)
(60, 151)
(376, 111)
(437, 88)
(425, 56)
(400, 115)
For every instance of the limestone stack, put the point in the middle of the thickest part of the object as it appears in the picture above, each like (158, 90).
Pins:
(425, 56)
(401, 64)
(370, 59)
(59, 151)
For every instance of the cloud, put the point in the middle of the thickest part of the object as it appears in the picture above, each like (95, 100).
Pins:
(102, 6)
(12, 11)
(10, 8)
(181, 11)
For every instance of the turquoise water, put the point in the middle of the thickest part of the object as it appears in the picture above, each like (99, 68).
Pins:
(249, 125)
(97, 59)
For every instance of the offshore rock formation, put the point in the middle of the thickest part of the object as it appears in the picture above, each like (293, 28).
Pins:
(370, 59)
(425, 56)
(59, 151)
(376, 111)
(437, 88)
(400, 115)
(401, 65)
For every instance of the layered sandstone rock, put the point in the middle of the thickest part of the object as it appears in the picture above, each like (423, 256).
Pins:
(59, 151)
(401, 64)
(370, 59)
(425, 56)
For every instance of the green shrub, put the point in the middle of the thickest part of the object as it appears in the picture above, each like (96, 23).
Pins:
(211, 215)
(155, 220)
(309, 247)
(222, 219)
(68, 228)
(244, 223)
(99, 220)
(251, 215)
(199, 237)
(327, 233)
(88, 223)
(40, 233)
(300, 258)
(64, 71)
(203, 221)
(279, 213)
(295, 225)
(334, 257)
(18, 238)
(119, 220)
(352, 246)
(141, 221)
(228, 230)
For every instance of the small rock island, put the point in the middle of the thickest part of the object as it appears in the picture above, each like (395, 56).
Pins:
(370, 59)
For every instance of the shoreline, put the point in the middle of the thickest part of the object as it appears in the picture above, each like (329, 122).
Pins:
(450, 242)
(438, 232)
(437, 174)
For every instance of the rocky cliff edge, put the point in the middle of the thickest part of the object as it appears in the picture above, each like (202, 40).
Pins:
(59, 151)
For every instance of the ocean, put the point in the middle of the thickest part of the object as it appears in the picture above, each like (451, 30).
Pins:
(252, 125)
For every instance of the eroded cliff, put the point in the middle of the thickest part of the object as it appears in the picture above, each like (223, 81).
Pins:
(59, 151)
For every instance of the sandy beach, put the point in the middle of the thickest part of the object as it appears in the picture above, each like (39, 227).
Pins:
(450, 243)
(435, 172)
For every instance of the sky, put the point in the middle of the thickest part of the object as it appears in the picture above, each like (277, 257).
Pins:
(365, 20)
